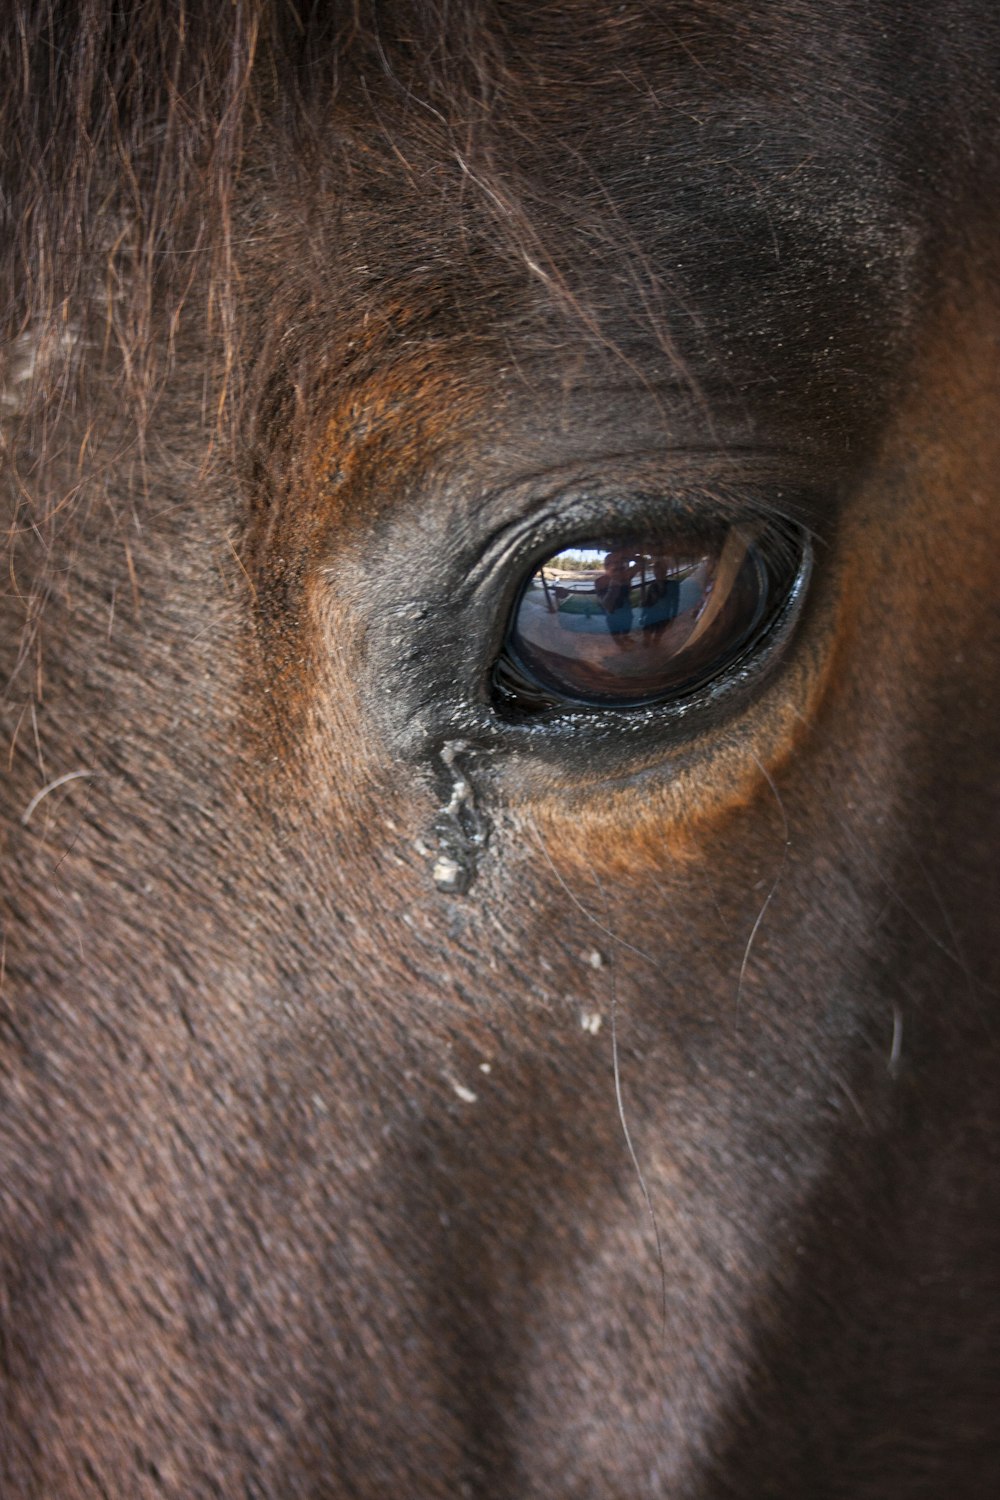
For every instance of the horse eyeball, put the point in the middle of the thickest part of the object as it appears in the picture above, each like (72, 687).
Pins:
(625, 621)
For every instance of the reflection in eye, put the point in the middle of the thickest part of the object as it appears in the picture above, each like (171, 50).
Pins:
(624, 621)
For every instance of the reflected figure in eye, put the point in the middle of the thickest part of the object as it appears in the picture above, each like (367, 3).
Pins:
(613, 589)
(660, 601)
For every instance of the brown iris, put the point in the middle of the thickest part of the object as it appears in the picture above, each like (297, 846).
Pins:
(627, 620)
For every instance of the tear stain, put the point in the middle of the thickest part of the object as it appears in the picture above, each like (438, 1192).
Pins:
(460, 829)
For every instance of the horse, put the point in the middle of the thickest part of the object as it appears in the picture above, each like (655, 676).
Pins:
(499, 833)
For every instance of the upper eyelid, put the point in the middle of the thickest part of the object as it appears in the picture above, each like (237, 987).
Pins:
(687, 483)
(569, 517)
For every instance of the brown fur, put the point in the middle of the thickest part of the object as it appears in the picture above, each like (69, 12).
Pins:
(663, 1163)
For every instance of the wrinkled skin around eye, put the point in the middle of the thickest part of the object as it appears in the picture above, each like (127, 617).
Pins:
(628, 620)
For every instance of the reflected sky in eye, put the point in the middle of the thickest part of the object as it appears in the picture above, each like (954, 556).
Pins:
(575, 559)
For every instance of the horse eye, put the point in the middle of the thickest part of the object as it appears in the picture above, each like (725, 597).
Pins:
(624, 621)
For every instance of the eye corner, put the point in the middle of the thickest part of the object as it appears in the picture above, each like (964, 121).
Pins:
(513, 695)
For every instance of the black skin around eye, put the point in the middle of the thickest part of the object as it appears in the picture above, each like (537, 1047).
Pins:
(629, 620)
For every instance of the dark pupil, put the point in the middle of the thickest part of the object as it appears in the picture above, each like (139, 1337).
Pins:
(628, 620)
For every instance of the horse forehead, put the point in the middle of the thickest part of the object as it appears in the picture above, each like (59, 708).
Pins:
(428, 333)
(701, 198)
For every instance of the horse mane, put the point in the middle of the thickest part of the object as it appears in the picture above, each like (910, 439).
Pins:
(125, 131)
(140, 144)
(125, 128)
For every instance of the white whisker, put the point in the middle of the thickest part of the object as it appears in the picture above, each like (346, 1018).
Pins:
(774, 884)
(51, 787)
